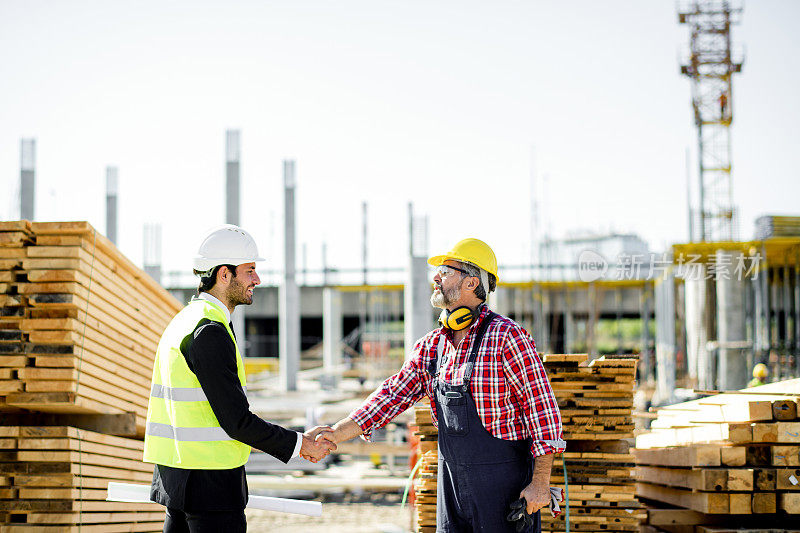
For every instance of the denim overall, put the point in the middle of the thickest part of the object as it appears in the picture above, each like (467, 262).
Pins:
(479, 474)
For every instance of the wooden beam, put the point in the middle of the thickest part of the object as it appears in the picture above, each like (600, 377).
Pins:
(123, 424)
(703, 502)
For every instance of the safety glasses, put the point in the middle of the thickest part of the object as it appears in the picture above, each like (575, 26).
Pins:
(446, 270)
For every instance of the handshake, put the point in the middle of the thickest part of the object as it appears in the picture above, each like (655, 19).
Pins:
(317, 443)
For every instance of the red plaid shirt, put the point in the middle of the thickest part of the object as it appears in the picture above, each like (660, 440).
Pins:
(509, 385)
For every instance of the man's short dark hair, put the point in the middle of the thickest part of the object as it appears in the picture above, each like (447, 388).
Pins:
(480, 290)
(209, 278)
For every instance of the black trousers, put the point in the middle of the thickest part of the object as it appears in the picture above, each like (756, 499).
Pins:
(208, 522)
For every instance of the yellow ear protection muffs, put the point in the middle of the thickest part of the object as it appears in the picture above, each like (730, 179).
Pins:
(458, 318)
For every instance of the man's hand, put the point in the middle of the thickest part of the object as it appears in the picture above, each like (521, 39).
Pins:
(342, 431)
(314, 447)
(536, 495)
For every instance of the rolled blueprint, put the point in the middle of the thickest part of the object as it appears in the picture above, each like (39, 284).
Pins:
(135, 493)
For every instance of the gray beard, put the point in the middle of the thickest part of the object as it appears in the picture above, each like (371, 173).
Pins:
(446, 297)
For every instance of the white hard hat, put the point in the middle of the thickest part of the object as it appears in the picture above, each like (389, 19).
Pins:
(226, 245)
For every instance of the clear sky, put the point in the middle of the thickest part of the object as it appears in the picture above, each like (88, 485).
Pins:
(439, 103)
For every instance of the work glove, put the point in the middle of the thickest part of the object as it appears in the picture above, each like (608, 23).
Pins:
(519, 514)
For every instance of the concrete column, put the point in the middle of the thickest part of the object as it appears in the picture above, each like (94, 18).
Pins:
(544, 321)
(152, 250)
(289, 293)
(500, 300)
(665, 340)
(232, 156)
(765, 310)
(796, 320)
(364, 240)
(645, 359)
(569, 328)
(27, 178)
(112, 187)
(417, 305)
(696, 335)
(331, 334)
(732, 369)
(591, 323)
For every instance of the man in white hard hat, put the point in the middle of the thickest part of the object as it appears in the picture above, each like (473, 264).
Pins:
(498, 419)
(199, 426)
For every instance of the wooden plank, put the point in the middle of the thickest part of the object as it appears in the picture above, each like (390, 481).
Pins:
(698, 455)
(77, 445)
(121, 424)
(99, 528)
(765, 503)
(77, 469)
(63, 493)
(740, 503)
(74, 380)
(787, 479)
(733, 456)
(763, 479)
(23, 506)
(46, 400)
(62, 481)
(790, 502)
(62, 402)
(708, 479)
(777, 432)
(94, 518)
(109, 373)
(16, 225)
(75, 457)
(784, 410)
(785, 455)
(15, 238)
(708, 433)
(703, 502)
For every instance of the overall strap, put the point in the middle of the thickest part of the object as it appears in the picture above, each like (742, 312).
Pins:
(473, 356)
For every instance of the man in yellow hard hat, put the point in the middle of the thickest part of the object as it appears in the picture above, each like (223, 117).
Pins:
(199, 425)
(760, 373)
(499, 423)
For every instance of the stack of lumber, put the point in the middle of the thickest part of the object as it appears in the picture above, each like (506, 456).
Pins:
(55, 479)
(596, 403)
(777, 226)
(80, 323)
(425, 482)
(726, 460)
(79, 327)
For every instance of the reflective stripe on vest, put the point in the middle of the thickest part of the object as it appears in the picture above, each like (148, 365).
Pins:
(187, 434)
(182, 430)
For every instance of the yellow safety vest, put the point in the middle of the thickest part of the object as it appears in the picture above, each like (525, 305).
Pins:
(182, 430)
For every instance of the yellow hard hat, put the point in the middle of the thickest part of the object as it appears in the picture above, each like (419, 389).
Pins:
(760, 371)
(472, 251)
